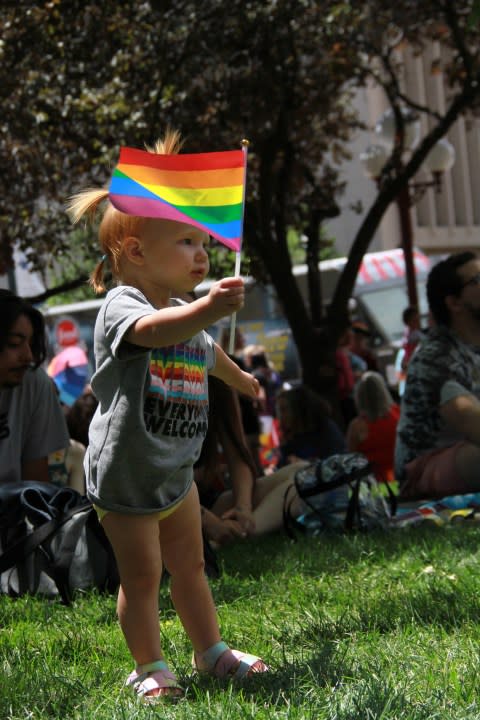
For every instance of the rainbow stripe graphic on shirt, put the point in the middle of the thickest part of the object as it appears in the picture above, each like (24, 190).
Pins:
(176, 403)
(179, 371)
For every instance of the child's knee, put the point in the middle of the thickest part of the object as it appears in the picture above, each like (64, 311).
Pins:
(187, 567)
(144, 582)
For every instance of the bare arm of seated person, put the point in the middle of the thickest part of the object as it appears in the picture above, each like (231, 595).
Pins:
(240, 500)
(356, 433)
(462, 414)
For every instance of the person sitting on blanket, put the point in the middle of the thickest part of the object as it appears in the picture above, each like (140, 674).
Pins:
(437, 450)
(32, 424)
(307, 429)
(235, 502)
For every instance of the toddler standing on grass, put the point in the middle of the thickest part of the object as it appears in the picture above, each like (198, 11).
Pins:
(152, 359)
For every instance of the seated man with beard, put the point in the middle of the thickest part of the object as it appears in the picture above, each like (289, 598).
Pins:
(438, 437)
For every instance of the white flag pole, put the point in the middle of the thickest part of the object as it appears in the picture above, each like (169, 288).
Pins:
(238, 255)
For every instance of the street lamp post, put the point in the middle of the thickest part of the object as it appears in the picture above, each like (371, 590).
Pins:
(406, 230)
(438, 161)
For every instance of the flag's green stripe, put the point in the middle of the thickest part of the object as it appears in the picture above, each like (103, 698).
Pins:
(212, 213)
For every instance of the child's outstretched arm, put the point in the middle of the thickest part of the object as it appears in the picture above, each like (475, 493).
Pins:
(228, 371)
(171, 325)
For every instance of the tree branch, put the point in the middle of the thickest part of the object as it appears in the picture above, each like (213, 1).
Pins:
(58, 289)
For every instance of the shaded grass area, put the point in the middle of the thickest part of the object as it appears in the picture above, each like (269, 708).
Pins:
(365, 626)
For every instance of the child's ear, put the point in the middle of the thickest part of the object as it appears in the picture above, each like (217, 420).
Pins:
(133, 249)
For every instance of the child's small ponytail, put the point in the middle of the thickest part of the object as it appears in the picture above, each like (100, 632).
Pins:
(97, 276)
(115, 225)
(86, 204)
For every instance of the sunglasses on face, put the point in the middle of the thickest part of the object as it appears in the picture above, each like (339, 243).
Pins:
(475, 280)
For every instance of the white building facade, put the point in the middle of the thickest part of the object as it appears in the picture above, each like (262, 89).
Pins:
(443, 222)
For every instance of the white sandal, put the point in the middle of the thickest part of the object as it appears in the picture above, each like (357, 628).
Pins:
(222, 662)
(154, 676)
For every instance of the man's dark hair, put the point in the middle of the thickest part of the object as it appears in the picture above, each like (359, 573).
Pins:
(443, 280)
(11, 308)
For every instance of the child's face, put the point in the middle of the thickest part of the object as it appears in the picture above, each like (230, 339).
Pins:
(175, 254)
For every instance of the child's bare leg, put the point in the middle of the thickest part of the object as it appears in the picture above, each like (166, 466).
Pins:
(135, 541)
(182, 551)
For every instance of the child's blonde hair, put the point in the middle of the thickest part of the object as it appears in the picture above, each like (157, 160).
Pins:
(115, 226)
(372, 396)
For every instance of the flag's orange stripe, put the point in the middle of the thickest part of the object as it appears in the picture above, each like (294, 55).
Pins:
(183, 179)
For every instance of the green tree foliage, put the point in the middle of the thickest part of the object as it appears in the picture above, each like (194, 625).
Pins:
(79, 79)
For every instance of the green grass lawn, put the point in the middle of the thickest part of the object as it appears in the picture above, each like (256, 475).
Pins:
(374, 626)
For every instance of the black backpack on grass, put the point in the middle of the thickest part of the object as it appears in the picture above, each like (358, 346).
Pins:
(52, 543)
(340, 493)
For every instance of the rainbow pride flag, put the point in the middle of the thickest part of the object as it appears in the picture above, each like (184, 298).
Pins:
(205, 190)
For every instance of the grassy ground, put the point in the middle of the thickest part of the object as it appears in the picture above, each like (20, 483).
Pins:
(374, 626)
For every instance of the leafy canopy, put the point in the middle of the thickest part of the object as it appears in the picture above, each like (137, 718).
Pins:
(79, 79)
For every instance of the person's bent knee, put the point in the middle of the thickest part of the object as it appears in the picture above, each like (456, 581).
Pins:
(467, 463)
(443, 471)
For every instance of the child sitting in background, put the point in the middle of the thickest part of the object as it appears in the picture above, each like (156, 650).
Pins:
(373, 431)
(307, 432)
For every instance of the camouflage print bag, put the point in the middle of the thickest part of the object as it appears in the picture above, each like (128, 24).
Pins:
(339, 493)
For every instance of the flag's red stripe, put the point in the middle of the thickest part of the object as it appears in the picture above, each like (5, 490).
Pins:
(196, 161)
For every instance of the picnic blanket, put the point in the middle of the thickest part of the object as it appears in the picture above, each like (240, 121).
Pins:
(454, 508)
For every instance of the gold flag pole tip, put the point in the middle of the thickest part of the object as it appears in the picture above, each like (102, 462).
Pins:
(245, 142)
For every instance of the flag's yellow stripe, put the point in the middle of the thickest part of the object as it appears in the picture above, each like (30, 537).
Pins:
(199, 196)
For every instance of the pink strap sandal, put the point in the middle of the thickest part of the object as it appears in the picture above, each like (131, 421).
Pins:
(222, 662)
(146, 679)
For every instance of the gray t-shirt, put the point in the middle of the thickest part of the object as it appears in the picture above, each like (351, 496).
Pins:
(442, 368)
(151, 419)
(32, 424)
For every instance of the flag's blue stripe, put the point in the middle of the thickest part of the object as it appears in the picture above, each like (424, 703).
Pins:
(125, 186)
(228, 230)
